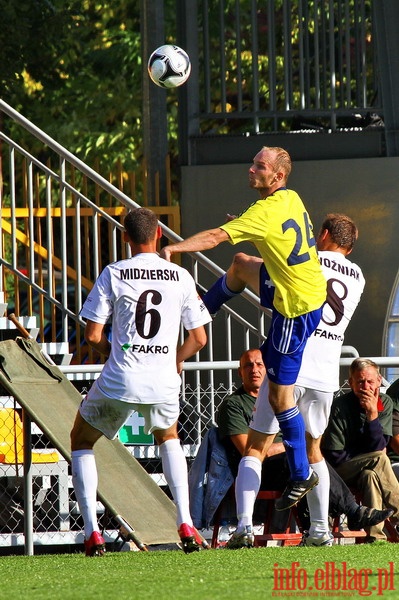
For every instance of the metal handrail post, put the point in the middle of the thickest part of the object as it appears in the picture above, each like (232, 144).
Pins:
(28, 487)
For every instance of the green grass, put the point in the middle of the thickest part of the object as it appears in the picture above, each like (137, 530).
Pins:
(214, 574)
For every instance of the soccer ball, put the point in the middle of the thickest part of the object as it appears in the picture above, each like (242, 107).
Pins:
(169, 66)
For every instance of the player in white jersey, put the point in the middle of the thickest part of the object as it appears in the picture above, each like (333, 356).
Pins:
(319, 373)
(318, 376)
(345, 284)
(146, 298)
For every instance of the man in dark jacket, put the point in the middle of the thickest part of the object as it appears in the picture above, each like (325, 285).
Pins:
(355, 441)
(393, 450)
(233, 417)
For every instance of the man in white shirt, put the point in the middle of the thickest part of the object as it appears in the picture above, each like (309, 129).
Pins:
(147, 299)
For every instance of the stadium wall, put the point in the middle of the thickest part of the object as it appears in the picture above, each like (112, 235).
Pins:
(367, 189)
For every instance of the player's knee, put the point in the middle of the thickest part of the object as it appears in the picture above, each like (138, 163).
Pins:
(313, 449)
(83, 436)
(239, 261)
(74, 438)
(383, 460)
(79, 443)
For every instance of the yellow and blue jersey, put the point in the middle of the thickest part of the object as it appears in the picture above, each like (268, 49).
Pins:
(280, 228)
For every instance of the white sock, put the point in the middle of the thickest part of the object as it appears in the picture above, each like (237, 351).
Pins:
(85, 480)
(174, 466)
(318, 501)
(247, 488)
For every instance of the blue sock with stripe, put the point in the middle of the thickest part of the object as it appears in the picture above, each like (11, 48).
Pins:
(293, 429)
(217, 295)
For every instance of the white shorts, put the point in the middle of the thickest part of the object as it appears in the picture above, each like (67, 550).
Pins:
(313, 405)
(108, 415)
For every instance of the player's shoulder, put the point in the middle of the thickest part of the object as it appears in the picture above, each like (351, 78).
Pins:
(338, 262)
(253, 206)
(292, 196)
(183, 272)
(292, 193)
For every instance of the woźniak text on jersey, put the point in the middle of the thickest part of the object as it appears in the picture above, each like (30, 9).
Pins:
(345, 284)
(146, 299)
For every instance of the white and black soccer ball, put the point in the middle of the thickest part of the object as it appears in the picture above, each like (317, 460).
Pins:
(169, 66)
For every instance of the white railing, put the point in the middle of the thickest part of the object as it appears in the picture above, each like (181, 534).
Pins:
(55, 270)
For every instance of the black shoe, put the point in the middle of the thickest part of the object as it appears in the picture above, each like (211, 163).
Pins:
(366, 517)
(245, 539)
(369, 539)
(296, 490)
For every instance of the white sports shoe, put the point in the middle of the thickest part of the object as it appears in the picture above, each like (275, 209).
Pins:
(325, 540)
(244, 539)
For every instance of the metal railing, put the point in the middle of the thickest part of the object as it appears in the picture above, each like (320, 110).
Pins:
(52, 269)
(282, 65)
(44, 267)
(46, 490)
(60, 224)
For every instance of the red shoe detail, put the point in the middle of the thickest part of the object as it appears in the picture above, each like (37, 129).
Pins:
(201, 540)
(186, 530)
(95, 545)
(188, 536)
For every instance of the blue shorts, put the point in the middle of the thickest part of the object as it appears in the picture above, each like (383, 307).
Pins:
(283, 349)
(266, 288)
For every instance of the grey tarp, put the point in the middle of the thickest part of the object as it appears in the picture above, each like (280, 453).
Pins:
(125, 488)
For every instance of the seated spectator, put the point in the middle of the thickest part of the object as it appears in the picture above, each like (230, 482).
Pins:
(393, 449)
(355, 441)
(233, 418)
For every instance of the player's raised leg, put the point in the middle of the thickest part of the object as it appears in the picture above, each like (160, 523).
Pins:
(244, 271)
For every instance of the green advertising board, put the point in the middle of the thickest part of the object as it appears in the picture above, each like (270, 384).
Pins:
(133, 431)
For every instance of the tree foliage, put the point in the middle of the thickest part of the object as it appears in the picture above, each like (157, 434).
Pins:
(74, 69)
(279, 58)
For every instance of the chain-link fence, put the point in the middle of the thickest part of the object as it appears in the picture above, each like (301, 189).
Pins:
(56, 517)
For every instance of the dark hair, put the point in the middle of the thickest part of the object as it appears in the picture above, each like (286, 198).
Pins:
(342, 230)
(141, 225)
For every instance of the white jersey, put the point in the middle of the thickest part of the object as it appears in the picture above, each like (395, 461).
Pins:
(320, 362)
(147, 298)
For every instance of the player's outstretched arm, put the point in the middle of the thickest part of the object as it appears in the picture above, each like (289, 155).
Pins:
(195, 340)
(204, 240)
